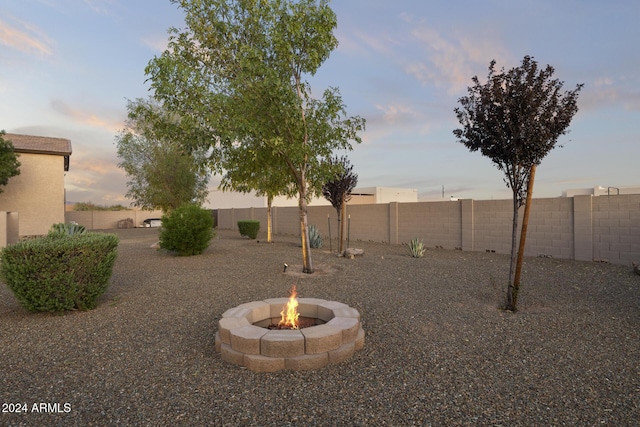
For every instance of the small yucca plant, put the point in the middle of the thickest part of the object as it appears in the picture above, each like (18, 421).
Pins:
(416, 248)
(69, 229)
(315, 239)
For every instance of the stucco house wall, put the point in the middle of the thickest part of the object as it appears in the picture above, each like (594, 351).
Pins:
(37, 194)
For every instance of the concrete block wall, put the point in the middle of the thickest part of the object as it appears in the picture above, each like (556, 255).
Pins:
(550, 230)
(106, 220)
(583, 228)
(318, 217)
(616, 228)
(435, 223)
(286, 221)
(580, 227)
(492, 221)
(369, 222)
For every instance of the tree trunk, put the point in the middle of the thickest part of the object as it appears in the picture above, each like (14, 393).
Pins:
(307, 266)
(269, 220)
(343, 226)
(523, 238)
(512, 264)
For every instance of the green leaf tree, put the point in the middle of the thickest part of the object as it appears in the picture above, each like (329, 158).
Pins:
(515, 119)
(166, 170)
(248, 168)
(338, 192)
(9, 164)
(239, 69)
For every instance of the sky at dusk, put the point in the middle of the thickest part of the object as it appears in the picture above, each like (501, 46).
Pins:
(68, 67)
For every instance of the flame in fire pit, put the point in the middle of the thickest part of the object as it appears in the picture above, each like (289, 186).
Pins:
(290, 313)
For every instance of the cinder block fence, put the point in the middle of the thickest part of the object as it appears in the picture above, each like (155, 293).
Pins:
(581, 227)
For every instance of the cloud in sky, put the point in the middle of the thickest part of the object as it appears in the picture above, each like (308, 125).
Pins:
(25, 37)
(605, 92)
(84, 117)
(94, 176)
(102, 7)
(155, 42)
(450, 60)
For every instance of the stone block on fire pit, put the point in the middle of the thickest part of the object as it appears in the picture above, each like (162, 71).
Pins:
(321, 338)
(327, 308)
(308, 307)
(231, 356)
(360, 340)
(246, 339)
(259, 310)
(307, 362)
(275, 305)
(348, 325)
(342, 353)
(226, 324)
(259, 363)
(282, 343)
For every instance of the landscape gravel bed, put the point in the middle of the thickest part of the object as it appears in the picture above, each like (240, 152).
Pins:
(438, 350)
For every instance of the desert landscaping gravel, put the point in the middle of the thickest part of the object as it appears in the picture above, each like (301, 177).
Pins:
(438, 350)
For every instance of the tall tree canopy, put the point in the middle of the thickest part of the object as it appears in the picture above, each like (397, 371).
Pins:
(338, 192)
(9, 164)
(238, 70)
(165, 168)
(515, 119)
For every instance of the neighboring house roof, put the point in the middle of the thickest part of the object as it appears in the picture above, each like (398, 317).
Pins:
(41, 145)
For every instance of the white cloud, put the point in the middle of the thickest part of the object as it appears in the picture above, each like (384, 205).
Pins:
(155, 42)
(608, 91)
(86, 117)
(450, 61)
(102, 7)
(26, 38)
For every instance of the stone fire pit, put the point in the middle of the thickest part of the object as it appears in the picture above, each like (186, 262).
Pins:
(243, 337)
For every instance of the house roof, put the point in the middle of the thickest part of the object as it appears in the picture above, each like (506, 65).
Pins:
(41, 145)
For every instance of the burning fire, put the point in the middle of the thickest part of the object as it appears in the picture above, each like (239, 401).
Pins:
(289, 312)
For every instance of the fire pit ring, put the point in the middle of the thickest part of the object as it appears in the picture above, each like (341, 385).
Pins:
(243, 337)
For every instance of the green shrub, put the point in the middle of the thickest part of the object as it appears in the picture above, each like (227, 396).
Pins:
(59, 272)
(416, 248)
(315, 239)
(187, 230)
(249, 228)
(69, 229)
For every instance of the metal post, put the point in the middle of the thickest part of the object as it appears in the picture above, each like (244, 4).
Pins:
(329, 222)
(348, 229)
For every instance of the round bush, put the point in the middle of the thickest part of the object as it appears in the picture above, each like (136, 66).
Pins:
(60, 272)
(249, 228)
(186, 230)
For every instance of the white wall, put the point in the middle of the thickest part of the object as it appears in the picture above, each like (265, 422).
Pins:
(219, 199)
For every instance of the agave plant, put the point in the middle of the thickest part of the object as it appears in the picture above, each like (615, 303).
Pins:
(315, 239)
(69, 229)
(416, 248)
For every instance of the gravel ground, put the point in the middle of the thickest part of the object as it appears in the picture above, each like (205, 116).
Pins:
(438, 351)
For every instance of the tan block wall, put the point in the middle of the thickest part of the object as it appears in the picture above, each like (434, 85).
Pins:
(106, 220)
(37, 194)
(435, 223)
(550, 230)
(492, 230)
(580, 227)
(616, 228)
